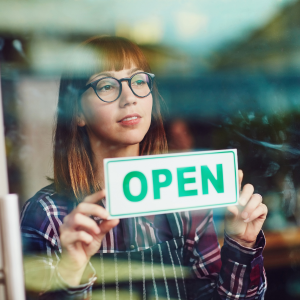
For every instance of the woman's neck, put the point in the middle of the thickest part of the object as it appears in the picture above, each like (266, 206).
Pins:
(101, 151)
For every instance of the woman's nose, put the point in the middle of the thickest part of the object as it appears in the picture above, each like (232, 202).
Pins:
(127, 97)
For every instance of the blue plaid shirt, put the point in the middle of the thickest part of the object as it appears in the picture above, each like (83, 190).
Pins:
(173, 256)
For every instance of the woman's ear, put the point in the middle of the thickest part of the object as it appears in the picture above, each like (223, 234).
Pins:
(80, 121)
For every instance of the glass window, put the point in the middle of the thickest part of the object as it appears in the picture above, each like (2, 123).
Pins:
(228, 76)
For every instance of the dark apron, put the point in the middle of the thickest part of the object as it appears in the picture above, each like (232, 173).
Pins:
(155, 273)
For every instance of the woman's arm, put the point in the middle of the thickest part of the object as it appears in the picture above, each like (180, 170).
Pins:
(232, 273)
(237, 271)
(81, 237)
(44, 250)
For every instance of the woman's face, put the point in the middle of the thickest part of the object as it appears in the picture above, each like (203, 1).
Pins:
(120, 123)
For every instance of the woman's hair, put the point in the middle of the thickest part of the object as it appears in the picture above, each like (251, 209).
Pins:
(74, 164)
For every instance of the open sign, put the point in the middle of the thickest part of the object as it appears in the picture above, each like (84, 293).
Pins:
(156, 184)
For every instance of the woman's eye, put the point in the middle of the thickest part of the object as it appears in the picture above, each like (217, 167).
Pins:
(139, 82)
(106, 88)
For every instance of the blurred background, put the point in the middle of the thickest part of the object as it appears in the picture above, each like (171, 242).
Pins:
(228, 71)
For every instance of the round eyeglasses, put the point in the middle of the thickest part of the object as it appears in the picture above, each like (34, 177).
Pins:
(109, 89)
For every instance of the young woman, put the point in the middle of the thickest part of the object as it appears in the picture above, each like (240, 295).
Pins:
(110, 108)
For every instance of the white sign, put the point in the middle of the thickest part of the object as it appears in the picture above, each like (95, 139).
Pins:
(158, 184)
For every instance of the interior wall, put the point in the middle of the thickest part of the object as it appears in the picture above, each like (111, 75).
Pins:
(36, 105)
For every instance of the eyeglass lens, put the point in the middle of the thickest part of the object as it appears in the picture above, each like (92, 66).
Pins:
(108, 89)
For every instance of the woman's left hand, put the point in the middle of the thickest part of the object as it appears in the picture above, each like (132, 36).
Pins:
(244, 221)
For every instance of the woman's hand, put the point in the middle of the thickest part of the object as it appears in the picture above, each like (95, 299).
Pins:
(244, 221)
(81, 237)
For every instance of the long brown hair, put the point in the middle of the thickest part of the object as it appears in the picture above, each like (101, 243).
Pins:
(73, 157)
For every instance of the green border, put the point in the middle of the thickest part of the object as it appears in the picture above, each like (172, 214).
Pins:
(171, 156)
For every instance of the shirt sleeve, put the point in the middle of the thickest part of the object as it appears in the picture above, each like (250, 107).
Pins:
(41, 250)
(235, 272)
(61, 290)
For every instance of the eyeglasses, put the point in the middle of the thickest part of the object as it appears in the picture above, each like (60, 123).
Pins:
(109, 89)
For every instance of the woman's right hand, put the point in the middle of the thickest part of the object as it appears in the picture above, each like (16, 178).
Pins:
(81, 237)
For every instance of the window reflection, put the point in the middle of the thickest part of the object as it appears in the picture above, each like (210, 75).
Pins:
(238, 89)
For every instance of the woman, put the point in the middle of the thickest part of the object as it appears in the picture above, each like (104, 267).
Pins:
(111, 109)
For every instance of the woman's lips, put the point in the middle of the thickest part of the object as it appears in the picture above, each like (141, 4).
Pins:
(130, 120)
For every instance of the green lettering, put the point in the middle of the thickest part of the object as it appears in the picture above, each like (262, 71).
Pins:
(182, 192)
(144, 186)
(157, 185)
(218, 183)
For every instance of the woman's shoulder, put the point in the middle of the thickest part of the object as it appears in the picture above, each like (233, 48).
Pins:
(46, 204)
(47, 191)
(49, 195)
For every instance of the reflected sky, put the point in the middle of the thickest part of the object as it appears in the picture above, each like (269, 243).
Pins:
(194, 27)
(199, 27)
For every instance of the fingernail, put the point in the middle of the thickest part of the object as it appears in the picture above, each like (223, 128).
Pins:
(244, 215)
(247, 220)
(98, 230)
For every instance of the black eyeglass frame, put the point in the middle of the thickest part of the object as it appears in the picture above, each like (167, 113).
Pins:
(93, 85)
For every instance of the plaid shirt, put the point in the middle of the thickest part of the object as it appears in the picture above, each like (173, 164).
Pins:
(185, 240)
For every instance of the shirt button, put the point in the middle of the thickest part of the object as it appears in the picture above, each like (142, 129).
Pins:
(132, 247)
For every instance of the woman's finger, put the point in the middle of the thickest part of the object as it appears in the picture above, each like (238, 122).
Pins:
(241, 175)
(70, 237)
(233, 211)
(90, 209)
(246, 194)
(260, 212)
(107, 225)
(82, 222)
(95, 198)
(253, 203)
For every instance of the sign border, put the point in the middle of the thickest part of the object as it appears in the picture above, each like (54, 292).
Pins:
(112, 216)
